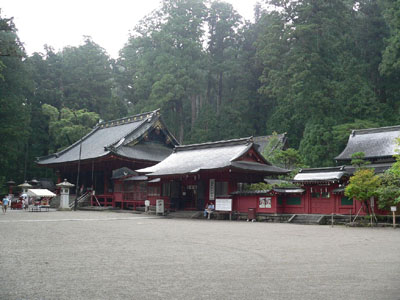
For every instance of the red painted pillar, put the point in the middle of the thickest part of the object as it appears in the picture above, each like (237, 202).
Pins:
(274, 204)
(332, 197)
(105, 182)
(307, 202)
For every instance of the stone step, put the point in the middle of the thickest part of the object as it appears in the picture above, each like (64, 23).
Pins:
(307, 219)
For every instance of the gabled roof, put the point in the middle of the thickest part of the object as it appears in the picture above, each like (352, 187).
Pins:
(335, 173)
(374, 142)
(321, 174)
(119, 137)
(210, 156)
(270, 143)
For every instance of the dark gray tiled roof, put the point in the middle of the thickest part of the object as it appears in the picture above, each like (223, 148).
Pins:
(273, 181)
(378, 167)
(374, 142)
(262, 142)
(320, 174)
(250, 193)
(112, 137)
(267, 192)
(289, 190)
(208, 156)
(258, 167)
(335, 173)
(147, 152)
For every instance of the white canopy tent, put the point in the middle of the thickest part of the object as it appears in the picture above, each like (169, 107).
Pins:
(40, 193)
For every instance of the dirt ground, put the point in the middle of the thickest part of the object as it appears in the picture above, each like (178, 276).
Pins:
(108, 255)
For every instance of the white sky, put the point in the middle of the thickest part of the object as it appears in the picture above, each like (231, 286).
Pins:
(60, 23)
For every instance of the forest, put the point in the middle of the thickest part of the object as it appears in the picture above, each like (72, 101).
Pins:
(314, 69)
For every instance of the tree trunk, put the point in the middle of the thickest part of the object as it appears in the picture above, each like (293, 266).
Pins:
(200, 104)
(209, 84)
(193, 100)
(179, 110)
(219, 98)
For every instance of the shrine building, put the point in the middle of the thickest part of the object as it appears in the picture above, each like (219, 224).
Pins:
(324, 187)
(194, 175)
(110, 151)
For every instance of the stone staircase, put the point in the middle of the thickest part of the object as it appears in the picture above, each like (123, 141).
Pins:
(186, 214)
(307, 219)
(83, 200)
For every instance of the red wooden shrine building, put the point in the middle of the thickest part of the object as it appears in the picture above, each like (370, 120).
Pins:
(111, 151)
(194, 175)
(321, 190)
(188, 177)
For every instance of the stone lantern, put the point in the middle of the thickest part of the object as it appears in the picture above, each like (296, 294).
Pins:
(64, 193)
(25, 186)
(34, 182)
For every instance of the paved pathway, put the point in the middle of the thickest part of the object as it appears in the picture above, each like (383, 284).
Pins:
(108, 255)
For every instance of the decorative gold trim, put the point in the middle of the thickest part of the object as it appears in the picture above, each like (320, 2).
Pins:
(158, 125)
(133, 143)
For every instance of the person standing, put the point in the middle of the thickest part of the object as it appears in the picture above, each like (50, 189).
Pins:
(24, 201)
(5, 204)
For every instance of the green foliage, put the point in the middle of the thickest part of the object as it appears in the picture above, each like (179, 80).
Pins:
(67, 126)
(314, 69)
(363, 185)
(320, 70)
(15, 84)
(274, 144)
(165, 65)
(389, 191)
(391, 55)
(260, 186)
(289, 159)
(358, 160)
(316, 146)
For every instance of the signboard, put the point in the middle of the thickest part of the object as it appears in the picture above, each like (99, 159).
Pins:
(212, 190)
(393, 208)
(223, 204)
(265, 202)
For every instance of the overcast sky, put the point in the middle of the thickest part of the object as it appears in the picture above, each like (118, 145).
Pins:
(61, 23)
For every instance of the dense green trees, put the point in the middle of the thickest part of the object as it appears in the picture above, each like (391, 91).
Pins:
(14, 110)
(321, 62)
(314, 69)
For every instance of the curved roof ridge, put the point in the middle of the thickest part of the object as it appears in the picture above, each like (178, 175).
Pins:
(322, 169)
(221, 143)
(375, 130)
(374, 142)
(132, 118)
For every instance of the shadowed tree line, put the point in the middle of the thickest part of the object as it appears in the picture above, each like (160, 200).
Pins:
(314, 69)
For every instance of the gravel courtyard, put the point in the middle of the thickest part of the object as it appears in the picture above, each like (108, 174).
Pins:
(108, 255)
